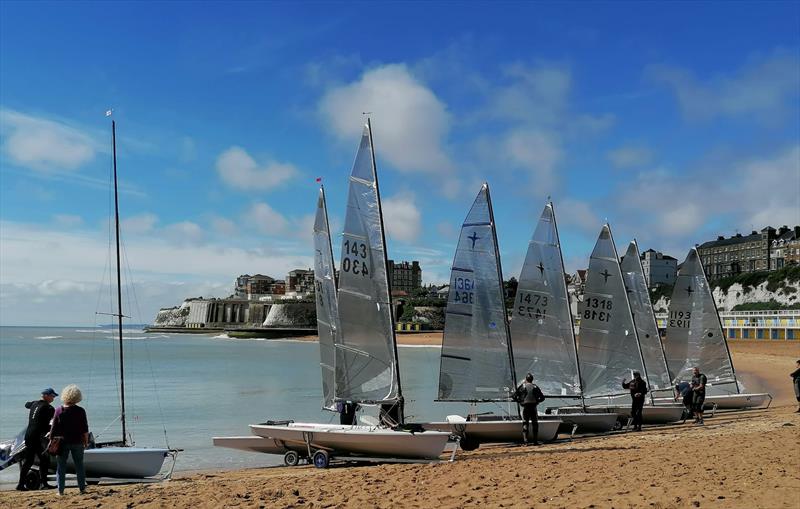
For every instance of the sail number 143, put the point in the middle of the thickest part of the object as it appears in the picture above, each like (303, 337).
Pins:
(354, 259)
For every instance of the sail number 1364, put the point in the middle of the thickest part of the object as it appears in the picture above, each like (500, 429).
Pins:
(355, 258)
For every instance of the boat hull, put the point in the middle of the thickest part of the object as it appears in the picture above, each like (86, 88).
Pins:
(658, 414)
(586, 422)
(121, 462)
(358, 440)
(733, 401)
(253, 444)
(495, 431)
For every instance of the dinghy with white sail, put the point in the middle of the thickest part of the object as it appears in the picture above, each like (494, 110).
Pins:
(366, 371)
(695, 339)
(608, 344)
(542, 329)
(477, 363)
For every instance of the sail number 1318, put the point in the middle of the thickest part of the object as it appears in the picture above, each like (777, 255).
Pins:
(597, 309)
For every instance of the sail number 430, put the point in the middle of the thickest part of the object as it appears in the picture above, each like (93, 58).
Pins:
(355, 258)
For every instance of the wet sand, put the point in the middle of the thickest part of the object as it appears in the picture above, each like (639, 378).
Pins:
(747, 459)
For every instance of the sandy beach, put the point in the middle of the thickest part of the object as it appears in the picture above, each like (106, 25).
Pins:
(743, 459)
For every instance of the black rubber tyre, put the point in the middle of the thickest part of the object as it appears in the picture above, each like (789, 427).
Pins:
(618, 425)
(321, 459)
(92, 483)
(32, 480)
(468, 444)
(291, 458)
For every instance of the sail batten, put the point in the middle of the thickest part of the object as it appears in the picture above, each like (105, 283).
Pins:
(608, 343)
(646, 326)
(541, 325)
(694, 333)
(326, 300)
(366, 356)
(476, 359)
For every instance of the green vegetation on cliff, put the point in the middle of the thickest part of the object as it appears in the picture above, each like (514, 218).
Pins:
(775, 280)
(765, 306)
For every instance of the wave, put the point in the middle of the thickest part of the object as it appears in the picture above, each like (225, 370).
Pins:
(221, 336)
(48, 337)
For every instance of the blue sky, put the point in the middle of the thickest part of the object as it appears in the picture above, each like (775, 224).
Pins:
(676, 122)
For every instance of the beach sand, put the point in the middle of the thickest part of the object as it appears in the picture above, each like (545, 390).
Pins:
(748, 459)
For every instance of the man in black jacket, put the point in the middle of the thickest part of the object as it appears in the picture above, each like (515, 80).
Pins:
(529, 395)
(638, 388)
(41, 412)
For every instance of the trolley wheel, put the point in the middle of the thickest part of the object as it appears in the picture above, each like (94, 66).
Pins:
(468, 443)
(291, 458)
(618, 425)
(32, 480)
(321, 459)
(92, 483)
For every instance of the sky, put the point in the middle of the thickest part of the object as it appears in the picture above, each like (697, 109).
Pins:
(674, 122)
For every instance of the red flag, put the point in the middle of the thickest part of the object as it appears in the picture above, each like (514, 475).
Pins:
(319, 179)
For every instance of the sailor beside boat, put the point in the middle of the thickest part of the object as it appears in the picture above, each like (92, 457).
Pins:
(529, 395)
(41, 412)
(796, 384)
(699, 382)
(638, 389)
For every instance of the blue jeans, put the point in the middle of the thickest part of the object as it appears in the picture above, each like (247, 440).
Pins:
(77, 457)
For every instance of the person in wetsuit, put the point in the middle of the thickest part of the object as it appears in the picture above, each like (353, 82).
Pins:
(347, 412)
(638, 388)
(529, 395)
(796, 383)
(684, 391)
(699, 382)
(39, 416)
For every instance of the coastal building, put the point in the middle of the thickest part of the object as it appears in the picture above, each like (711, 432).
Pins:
(785, 248)
(258, 287)
(738, 254)
(300, 281)
(404, 276)
(659, 269)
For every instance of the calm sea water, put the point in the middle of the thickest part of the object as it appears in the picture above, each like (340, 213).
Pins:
(194, 386)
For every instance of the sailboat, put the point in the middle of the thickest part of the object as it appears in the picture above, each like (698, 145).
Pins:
(477, 360)
(608, 344)
(542, 328)
(120, 459)
(695, 338)
(327, 326)
(366, 370)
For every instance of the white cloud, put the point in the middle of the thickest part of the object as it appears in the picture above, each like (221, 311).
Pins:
(630, 156)
(537, 151)
(240, 171)
(42, 144)
(761, 88)
(578, 214)
(538, 95)
(223, 226)
(138, 224)
(184, 232)
(410, 122)
(265, 219)
(67, 220)
(402, 217)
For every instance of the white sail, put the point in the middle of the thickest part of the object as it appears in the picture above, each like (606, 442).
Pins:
(366, 355)
(476, 359)
(541, 325)
(694, 334)
(645, 320)
(327, 309)
(607, 345)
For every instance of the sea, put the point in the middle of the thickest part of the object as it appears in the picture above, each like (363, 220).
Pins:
(183, 389)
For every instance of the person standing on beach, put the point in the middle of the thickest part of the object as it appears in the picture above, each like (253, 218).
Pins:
(684, 391)
(796, 382)
(638, 388)
(70, 424)
(699, 382)
(529, 395)
(41, 412)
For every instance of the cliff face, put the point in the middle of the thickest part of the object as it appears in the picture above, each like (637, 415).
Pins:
(172, 317)
(296, 314)
(785, 292)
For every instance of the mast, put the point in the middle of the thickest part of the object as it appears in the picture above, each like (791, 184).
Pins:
(571, 318)
(119, 283)
(502, 290)
(401, 412)
(630, 311)
(719, 322)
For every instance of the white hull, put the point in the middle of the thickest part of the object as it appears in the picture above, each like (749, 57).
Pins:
(121, 462)
(252, 444)
(732, 401)
(358, 440)
(586, 422)
(498, 431)
(659, 414)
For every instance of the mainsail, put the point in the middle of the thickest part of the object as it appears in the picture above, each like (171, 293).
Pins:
(607, 345)
(541, 323)
(476, 358)
(646, 327)
(325, 289)
(366, 353)
(694, 334)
